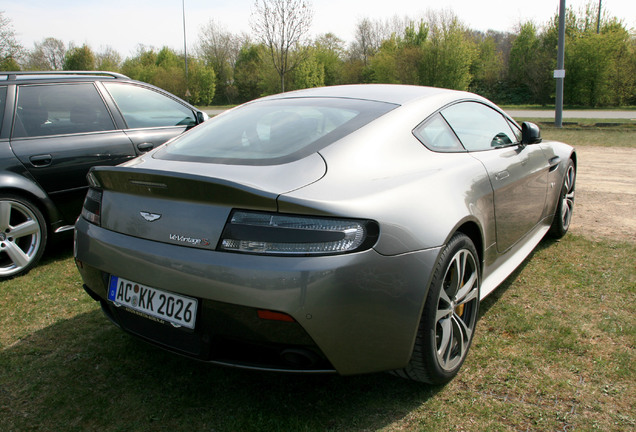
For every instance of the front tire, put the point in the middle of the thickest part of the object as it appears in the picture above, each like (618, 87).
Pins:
(449, 317)
(565, 206)
(23, 235)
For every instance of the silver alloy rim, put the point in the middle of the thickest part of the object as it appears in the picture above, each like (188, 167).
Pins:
(20, 237)
(457, 310)
(567, 204)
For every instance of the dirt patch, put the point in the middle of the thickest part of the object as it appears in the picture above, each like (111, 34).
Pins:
(605, 203)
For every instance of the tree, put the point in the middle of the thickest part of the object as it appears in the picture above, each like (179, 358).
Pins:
(623, 71)
(247, 72)
(367, 41)
(79, 59)
(142, 66)
(10, 49)
(309, 73)
(168, 58)
(201, 82)
(281, 26)
(166, 69)
(46, 55)
(220, 49)
(488, 68)
(169, 72)
(108, 60)
(600, 70)
(370, 34)
(329, 52)
(411, 49)
(383, 65)
(531, 64)
(448, 53)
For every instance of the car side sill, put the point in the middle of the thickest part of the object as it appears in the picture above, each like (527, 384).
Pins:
(511, 260)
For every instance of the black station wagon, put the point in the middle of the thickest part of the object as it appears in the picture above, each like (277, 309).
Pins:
(53, 128)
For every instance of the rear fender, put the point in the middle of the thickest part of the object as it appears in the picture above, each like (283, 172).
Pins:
(17, 184)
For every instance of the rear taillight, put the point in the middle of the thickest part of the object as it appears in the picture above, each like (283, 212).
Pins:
(279, 234)
(92, 209)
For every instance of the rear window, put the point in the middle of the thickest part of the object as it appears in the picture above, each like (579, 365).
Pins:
(274, 131)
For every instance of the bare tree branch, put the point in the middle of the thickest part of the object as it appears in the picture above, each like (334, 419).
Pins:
(281, 25)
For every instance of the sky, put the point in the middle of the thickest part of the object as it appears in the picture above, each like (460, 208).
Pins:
(125, 24)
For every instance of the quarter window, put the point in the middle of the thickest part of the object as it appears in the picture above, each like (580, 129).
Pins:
(60, 109)
(144, 108)
(478, 126)
(435, 134)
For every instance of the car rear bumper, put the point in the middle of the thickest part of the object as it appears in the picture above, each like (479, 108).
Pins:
(354, 313)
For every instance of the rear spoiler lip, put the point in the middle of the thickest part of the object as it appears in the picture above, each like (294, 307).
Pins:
(182, 186)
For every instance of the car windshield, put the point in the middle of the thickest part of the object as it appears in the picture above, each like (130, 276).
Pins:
(273, 131)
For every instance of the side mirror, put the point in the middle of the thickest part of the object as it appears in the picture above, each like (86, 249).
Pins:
(530, 133)
(201, 117)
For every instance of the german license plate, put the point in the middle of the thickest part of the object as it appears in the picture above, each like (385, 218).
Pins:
(178, 310)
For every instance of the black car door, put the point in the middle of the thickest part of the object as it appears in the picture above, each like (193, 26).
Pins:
(60, 131)
(151, 117)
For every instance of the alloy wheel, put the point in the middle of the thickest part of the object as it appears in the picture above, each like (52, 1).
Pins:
(567, 203)
(21, 237)
(457, 310)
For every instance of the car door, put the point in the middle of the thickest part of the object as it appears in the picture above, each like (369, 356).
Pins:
(60, 131)
(151, 116)
(518, 173)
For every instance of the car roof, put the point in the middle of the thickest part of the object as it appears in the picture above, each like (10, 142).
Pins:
(389, 93)
(39, 76)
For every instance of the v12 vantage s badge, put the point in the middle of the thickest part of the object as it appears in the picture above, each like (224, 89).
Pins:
(189, 240)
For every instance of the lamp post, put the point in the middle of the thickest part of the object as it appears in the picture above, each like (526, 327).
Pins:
(185, 46)
(559, 73)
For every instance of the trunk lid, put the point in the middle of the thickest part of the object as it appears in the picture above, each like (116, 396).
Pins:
(187, 203)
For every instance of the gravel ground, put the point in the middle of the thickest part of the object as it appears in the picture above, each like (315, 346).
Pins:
(605, 202)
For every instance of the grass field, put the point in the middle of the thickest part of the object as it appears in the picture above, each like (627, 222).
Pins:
(600, 137)
(584, 132)
(554, 350)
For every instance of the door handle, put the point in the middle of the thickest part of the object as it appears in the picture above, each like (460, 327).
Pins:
(144, 147)
(502, 175)
(41, 160)
(554, 163)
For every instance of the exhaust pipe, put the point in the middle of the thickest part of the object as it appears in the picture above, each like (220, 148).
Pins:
(299, 358)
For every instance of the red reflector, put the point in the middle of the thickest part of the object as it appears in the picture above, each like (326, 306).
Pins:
(274, 316)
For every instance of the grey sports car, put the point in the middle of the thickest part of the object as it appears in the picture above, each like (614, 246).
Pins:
(348, 229)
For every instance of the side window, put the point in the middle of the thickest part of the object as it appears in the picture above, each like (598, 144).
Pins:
(3, 102)
(516, 130)
(478, 126)
(60, 109)
(143, 107)
(435, 134)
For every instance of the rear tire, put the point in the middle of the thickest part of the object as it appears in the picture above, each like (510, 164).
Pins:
(23, 235)
(565, 205)
(449, 317)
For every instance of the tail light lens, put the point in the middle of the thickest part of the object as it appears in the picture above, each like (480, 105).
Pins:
(278, 234)
(92, 209)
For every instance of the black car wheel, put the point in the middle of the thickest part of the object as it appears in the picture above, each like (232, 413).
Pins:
(449, 317)
(22, 235)
(565, 206)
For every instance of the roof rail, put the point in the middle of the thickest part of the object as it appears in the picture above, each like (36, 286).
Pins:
(12, 75)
